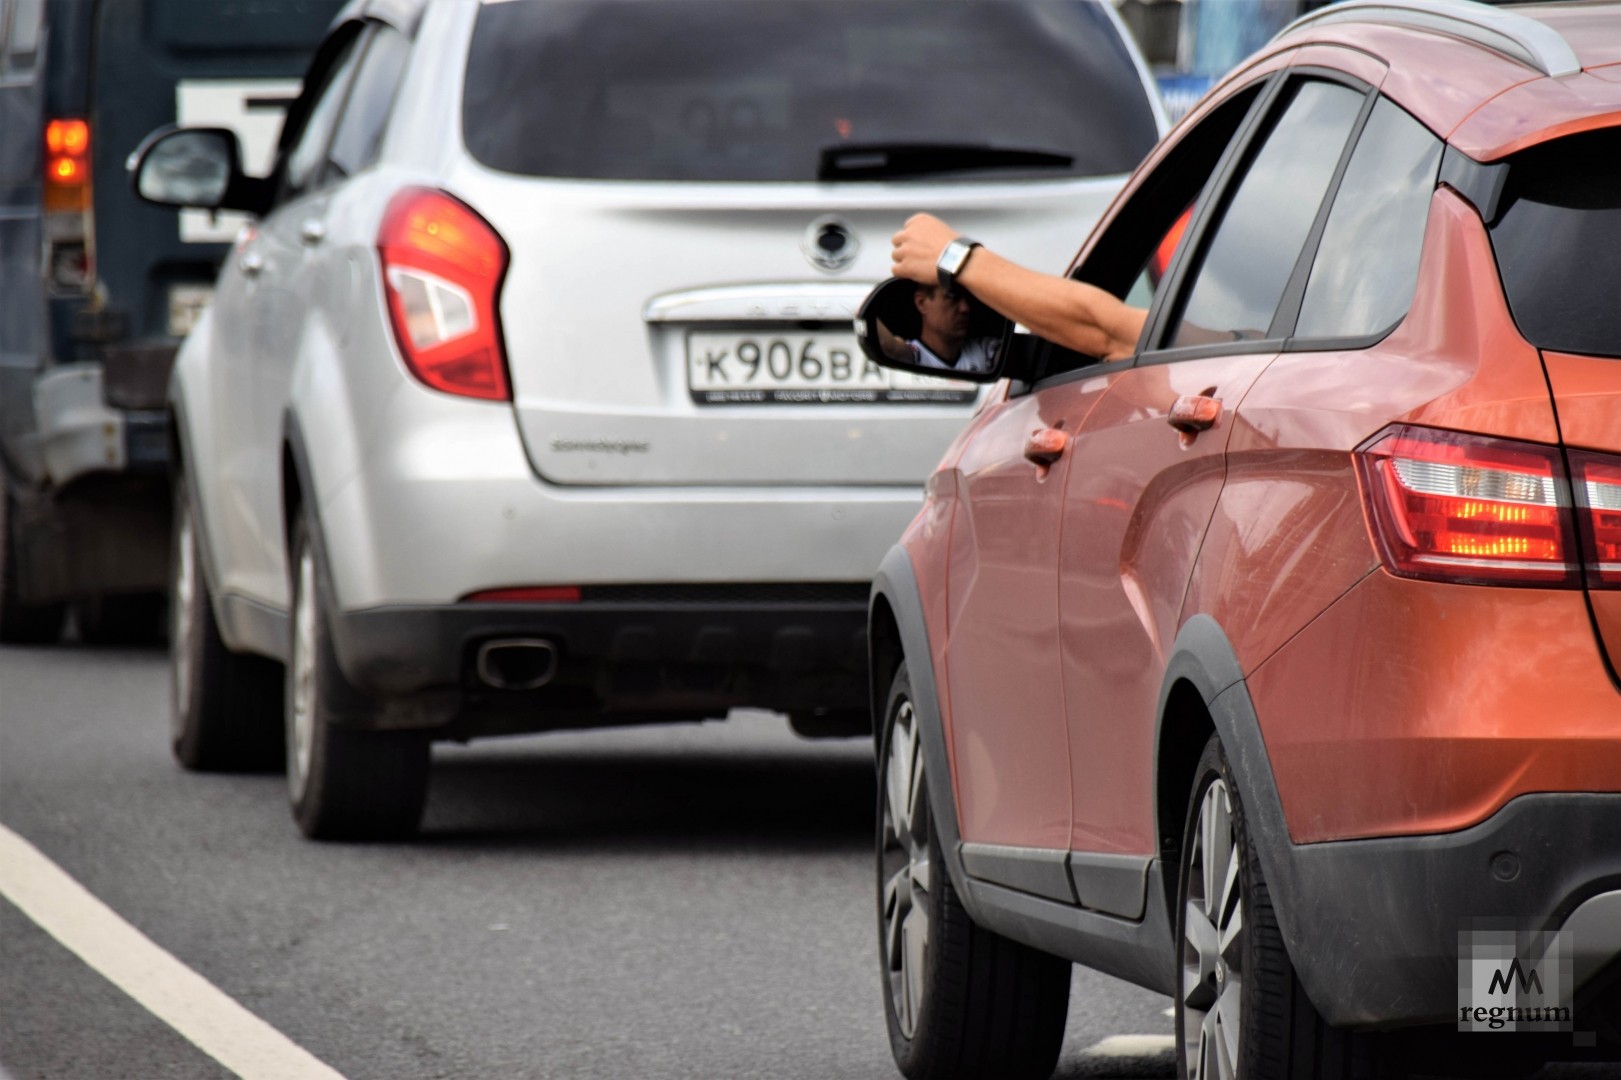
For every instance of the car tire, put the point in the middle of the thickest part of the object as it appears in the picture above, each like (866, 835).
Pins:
(1240, 1009)
(20, 623)
(225, 707)
(961, 1001)
(344, 782)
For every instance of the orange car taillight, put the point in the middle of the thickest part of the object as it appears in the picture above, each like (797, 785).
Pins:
(67, 203)
(1598, 516)
(442, 268)
(1451, 507)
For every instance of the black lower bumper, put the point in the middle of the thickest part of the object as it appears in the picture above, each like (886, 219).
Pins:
(679, 660)
(1373, 925)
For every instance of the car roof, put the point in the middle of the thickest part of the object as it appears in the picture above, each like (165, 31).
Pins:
(1491, 81)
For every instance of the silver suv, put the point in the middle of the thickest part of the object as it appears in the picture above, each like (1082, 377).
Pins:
(531, 399)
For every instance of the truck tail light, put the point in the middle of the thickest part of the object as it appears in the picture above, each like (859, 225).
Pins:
(442, 270)
(1463, 508)
(67, 203)
(1598, 516)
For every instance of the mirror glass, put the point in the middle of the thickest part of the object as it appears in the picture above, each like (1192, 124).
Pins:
(188, 168)
(925, 329)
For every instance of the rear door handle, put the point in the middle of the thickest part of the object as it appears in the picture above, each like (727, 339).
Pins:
(1046, 446)
(312, 232)
(251, 264)
(1194, 413)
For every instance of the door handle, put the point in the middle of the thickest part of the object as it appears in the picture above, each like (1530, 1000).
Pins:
(251, 264)
(312, 232)
(1046, 446)
(1194, 413)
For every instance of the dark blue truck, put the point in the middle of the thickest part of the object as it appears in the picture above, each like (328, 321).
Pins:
(97, 288)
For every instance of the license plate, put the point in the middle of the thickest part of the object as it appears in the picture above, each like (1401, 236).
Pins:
(742, 367)
(186, 302)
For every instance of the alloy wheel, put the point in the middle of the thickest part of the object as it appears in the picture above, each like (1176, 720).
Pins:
(301, 705)
(906, 869)
(1213, 943)
(181, 621)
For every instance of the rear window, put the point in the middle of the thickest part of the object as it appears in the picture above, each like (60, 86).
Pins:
(758, 89)
(1558, 244)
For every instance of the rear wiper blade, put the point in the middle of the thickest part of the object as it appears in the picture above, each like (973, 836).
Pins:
(883, 161)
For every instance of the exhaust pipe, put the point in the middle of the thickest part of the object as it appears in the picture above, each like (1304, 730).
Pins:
(517, 663)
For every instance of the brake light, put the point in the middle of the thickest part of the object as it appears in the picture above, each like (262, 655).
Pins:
(67, 166)
(442, 269)
(1464, 508)
(532, 594)
(1598, 516)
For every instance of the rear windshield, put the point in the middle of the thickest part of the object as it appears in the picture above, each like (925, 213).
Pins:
(758, 89)
(1558, 243)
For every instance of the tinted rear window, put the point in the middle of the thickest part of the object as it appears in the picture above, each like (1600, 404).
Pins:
(756, 89)
(1558, 244)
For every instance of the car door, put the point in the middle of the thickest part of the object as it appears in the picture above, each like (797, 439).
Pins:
(268, 318)
(1149, 462)
(1006, 689)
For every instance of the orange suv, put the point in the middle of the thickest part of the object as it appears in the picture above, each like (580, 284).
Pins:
(1274, 668)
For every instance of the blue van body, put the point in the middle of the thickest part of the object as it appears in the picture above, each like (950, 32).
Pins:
(93, 303)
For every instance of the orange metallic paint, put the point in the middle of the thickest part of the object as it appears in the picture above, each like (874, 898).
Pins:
(1538, 111)
(1139, 497)
(1416, 707)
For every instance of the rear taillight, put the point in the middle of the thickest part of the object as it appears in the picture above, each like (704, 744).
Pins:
(1464, 508)
(67, 203)
(442, 268)
(1598, 516)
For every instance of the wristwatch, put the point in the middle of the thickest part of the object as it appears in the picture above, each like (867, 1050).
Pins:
(952, 259)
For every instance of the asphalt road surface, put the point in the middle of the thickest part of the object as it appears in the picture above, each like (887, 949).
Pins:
(662, 902)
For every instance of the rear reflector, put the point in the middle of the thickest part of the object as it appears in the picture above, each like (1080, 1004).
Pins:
(442, 269)
(531, 594)
(1463, 508)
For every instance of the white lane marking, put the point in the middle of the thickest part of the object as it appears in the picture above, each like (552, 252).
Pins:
(127, 958)
(1130, 1046)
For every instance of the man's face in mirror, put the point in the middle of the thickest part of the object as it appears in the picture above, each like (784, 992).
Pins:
(945, 320)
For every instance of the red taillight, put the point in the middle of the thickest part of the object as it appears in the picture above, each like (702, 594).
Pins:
(531, 594)
(67, 165)
(442, 269)
(1598, 516)
(1464, 508)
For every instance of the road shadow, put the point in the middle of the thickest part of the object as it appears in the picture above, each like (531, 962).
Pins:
(625, 796)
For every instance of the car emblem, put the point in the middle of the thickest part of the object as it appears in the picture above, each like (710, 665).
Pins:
(830, 245)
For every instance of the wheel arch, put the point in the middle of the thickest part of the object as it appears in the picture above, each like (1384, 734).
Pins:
(897, 598)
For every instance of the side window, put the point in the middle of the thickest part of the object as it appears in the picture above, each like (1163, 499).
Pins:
(1130, 259)
(1367, 265)
(310, 142)
(359, 137)
(1257, 241)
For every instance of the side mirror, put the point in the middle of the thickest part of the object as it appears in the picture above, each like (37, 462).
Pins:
(927, 331)
(197, 168)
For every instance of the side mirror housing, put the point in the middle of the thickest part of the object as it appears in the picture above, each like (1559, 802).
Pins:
(196, 168)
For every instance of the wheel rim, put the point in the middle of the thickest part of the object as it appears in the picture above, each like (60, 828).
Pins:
(300, 705)
(905, 869)
(1213, 943)
(182, 624)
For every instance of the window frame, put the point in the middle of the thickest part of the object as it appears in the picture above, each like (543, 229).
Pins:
(1169, 305)
(330, 171)
(356, 33)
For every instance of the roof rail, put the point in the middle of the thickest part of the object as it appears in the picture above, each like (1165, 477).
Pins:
(1518, 37)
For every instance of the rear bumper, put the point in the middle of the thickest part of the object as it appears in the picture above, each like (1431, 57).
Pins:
(671, 660)
(1373, 924)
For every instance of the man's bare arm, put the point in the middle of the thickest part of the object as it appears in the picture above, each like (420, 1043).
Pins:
(1073, 314)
